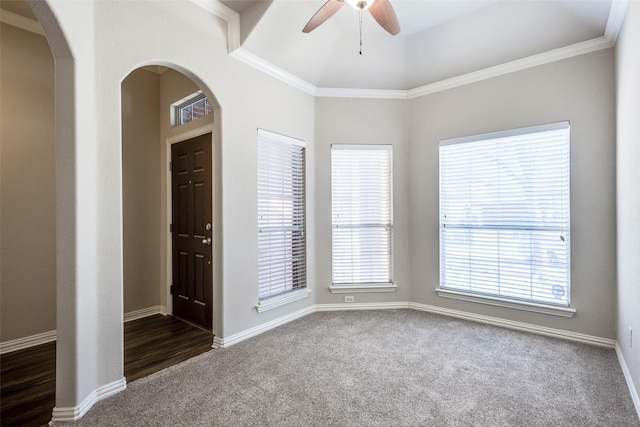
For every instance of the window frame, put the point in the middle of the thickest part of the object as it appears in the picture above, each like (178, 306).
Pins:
(537, 305)
(178, 106)
(299, 287)
(364, 285)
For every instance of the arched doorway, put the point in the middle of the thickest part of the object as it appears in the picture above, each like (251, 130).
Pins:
(88, 217)
(163, 109)
(33, 134)
(28, 216)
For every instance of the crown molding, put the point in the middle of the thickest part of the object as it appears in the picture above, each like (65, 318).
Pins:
(266, 67)
(473, 77)
(327, 92)
(513, 66)
(614, 24)
(226, 13)
(22, 22)
(236, 51)
(616, 17)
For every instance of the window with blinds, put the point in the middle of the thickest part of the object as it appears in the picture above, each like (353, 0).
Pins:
(281, 214)
(361, 200)
(504, 214)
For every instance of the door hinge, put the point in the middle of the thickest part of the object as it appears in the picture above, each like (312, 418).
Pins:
(170, 166)
(171, 289)
(170, 228)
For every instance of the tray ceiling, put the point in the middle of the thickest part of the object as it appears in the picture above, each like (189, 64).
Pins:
(440, 39)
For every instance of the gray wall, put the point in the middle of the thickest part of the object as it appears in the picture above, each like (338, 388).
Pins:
(565, 90)
(141, 189)
(361, 121)
(579, 89)
(89, 179)
(28, 269)
(628, 181)
(27, 189)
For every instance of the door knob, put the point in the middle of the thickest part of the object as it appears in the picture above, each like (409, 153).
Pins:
(206, 241)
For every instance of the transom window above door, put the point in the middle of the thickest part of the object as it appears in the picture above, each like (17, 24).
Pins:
(190, 108)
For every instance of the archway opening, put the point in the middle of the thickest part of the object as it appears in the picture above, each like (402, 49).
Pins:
(27, 218)
(162, 108)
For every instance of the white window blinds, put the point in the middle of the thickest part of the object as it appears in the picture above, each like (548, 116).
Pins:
(281, 214)
(361, 198)
(504, 214)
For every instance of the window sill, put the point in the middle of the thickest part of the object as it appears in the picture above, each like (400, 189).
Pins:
(367, 287)
(503, 302)
(283, 299)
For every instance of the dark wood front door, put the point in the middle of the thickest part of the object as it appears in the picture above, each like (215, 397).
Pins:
(192, 289)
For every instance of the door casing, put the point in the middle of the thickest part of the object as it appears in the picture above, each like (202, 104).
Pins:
(209, 128)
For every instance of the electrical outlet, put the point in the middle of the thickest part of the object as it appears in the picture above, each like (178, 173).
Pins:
(630, 337)
(349, 298)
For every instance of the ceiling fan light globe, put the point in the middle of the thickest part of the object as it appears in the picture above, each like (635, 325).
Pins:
(360, 4)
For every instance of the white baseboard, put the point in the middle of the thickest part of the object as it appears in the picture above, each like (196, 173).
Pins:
(145, 312)
(627, 376)
(249, 333)
(26, 342)
(75, 413)
(244, 335)
(217, 342)
(525, 327)
(509, 324)
(519, 326)
(45, 337)
(361, 306)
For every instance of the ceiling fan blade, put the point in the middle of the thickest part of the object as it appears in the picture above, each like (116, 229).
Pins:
(383, 13)
(324, 13)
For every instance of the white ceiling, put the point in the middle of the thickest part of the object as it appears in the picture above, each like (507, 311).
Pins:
(440, 39)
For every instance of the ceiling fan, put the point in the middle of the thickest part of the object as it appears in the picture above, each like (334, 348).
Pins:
(381, 10)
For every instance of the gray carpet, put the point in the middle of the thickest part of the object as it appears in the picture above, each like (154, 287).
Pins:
(382, 368)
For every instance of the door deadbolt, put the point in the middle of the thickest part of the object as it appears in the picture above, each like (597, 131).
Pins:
(208, 226)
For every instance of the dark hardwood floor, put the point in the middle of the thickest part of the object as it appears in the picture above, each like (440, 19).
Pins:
(28, 377)
(28, 386)
(157, 342)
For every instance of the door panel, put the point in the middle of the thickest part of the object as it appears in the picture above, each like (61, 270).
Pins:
(192, 288)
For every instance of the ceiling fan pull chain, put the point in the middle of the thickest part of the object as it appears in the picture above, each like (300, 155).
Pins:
(360, 31)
